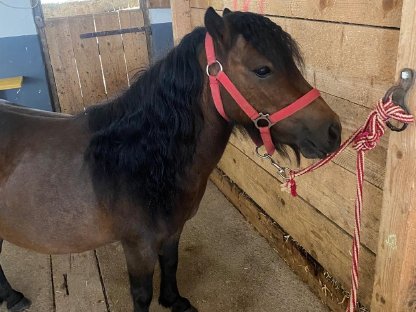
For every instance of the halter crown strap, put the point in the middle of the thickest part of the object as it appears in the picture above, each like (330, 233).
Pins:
(267, 120)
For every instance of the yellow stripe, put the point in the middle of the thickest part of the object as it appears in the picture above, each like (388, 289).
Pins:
(11, 83)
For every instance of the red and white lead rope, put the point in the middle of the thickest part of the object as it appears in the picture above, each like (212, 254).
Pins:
(364, 139)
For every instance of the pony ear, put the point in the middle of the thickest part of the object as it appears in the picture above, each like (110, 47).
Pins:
(214, 24)
(226, 11)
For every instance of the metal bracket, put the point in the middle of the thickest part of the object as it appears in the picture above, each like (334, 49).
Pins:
(399, 92)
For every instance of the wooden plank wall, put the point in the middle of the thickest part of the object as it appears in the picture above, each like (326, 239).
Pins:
(350, 52)
(91, 70)
(73, 8)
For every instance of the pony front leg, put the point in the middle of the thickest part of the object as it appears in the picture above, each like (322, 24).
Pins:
(169, 293)
(141, 259)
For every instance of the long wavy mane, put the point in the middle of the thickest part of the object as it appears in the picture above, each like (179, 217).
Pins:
(147, 136)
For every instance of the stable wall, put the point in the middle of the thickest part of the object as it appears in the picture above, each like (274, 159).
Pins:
(350, 52)
(21, 55)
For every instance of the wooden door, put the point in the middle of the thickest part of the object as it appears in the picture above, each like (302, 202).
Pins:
(95, 56)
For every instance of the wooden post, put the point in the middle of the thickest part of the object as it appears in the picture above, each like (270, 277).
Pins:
(181, 19)
(395, 279)
(145, 9)
(40, 27)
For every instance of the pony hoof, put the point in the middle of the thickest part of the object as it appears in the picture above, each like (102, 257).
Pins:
(183, 305)
(21, 306)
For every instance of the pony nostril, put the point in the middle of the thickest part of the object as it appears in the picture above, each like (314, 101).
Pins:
(334, 133)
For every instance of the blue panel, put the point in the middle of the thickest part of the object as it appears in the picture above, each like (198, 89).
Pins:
(21, 56)
(162, 40)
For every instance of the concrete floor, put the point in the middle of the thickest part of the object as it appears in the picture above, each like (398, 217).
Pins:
(225, 266)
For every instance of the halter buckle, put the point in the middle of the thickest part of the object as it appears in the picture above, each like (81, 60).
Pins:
(262, 118)
(209, 66)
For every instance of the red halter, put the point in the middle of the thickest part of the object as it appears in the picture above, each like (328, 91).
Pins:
(262, 121)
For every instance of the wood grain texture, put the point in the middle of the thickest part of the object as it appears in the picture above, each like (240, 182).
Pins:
(181, 19)
(112, 53)
(73, 8)
(29, 273)
(77, 283)
(87, 57)
(64, 67)
(158, 4)
(330, 190)
(394, 286)
(366, 12)
(116, 280)
(321, 238)
(309, 271)
(135, 46)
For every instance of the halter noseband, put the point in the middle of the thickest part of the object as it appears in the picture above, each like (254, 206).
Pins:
(262, 121)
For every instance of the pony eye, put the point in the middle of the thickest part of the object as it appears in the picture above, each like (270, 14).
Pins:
(262, 72)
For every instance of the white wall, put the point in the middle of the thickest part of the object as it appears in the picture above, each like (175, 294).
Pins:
(16, 22)
(160, 16)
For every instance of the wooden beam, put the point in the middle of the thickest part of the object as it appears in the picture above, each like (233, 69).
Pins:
(62, 58)
(362, 12)
(73, 8)
(395, 280)
(40, 26)
(146, 18)
(158, 4)
(181, 19)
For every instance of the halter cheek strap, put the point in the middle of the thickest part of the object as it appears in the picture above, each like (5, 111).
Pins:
(261, 120)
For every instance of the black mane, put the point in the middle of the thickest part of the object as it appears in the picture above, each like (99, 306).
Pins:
(144, 139)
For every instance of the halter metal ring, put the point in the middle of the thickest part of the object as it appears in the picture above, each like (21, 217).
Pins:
(209, 66)
(262, 156)
(262, 118)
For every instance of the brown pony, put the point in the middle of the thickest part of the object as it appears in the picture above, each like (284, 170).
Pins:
(134, 169)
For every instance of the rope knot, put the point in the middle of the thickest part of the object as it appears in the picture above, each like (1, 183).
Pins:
(375, 125)
(370, 133)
